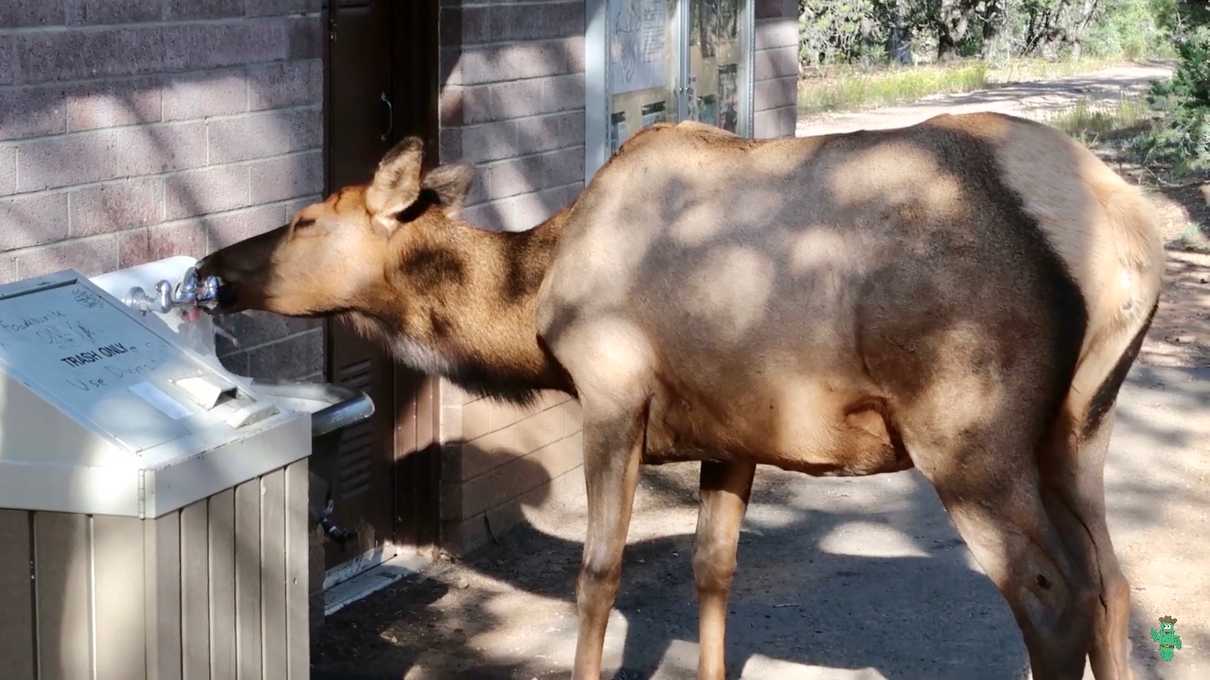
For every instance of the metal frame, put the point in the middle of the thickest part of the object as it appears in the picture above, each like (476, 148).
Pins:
(596, 76)
(596, 87)
(747, 45)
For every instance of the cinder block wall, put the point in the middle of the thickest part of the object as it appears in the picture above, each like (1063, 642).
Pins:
(132, 130)
(512, 103)
(775, 76)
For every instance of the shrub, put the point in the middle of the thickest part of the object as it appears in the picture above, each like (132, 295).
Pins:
(1132, 29)
(1089, 123)
(1183, 139)
(854, 89)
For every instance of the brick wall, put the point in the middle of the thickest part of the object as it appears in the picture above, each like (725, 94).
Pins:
(500, 459)
(775, 76)
(132, 130)
(512, 103)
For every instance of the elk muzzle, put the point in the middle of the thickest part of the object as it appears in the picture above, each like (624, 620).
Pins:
(244, 272)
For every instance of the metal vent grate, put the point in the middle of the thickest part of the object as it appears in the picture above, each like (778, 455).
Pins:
(356, 451)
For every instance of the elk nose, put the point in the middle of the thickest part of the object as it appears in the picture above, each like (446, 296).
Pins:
(205, 267)
(220, 288)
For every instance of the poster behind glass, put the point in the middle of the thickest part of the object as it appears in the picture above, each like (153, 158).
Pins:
(642, 66)
(714, 54)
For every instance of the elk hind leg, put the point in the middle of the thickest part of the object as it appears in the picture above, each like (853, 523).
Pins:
(725, 488)
(990, 486)
(1073, 489)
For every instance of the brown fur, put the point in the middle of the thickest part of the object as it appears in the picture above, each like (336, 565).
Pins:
(964, 295)
(444, 295)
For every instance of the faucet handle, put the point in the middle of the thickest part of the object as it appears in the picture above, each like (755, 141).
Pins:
(189, 292)
(186, 290)
(204, 293)
(164, 297)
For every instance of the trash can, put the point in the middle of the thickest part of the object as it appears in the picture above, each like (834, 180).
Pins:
(153, 507)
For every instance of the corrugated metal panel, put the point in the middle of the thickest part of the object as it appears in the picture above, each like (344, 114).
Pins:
(195, 591)
(62, 564)
(247, 580)
(214, 591)
(298, 631)
(222, 585)
(118, 596)
(162, 585)
(273, 573)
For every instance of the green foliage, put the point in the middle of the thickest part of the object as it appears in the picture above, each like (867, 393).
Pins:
(1133, 29)
(1022, 70)
(840, 32)
(1183, 140)
(837, 88)
(873, 31)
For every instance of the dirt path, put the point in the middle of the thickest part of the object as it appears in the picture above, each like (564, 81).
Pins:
(1032, 100)
(839, 578)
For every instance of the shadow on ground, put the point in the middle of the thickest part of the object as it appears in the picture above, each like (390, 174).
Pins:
(851, 578)
(797, 598)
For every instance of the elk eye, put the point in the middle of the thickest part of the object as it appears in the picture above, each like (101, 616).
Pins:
(303, 223)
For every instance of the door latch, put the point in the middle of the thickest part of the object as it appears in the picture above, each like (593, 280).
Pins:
(390, 116)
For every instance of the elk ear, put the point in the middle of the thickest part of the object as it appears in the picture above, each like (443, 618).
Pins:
(396, 183)
(451, 184)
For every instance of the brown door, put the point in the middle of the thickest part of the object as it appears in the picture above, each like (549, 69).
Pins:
(418, 459)
(374, 97)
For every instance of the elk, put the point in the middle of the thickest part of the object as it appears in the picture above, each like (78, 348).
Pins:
(965, 296)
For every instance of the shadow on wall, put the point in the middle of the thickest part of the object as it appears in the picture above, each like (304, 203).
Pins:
(115, 172)
(121, 163)
(175, 144)
(516, 111)
(155, 185)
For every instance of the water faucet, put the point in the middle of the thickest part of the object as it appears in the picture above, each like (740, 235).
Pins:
(190, 292)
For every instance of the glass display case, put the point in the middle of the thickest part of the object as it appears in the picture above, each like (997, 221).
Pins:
(652, 61)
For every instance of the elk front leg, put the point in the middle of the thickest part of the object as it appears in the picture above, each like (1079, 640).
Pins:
(611, 470)
(725, 488)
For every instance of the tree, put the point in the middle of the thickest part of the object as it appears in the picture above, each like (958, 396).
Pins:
(992, 15)
(952, 20)
(1055, 24)
(844, 31)
(899, 31)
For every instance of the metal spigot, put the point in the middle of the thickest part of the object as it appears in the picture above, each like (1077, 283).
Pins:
(188, 293)
(337, 533)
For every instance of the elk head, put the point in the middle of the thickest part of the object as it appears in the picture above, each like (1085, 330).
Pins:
(333, 256)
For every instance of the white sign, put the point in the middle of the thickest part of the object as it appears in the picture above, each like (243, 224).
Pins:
(638, 45)
(94, 361)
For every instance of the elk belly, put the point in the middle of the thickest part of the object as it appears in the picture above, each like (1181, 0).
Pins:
(808, 428)
(842, 438)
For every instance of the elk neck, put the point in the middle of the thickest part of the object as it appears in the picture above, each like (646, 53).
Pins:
(462, 302)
